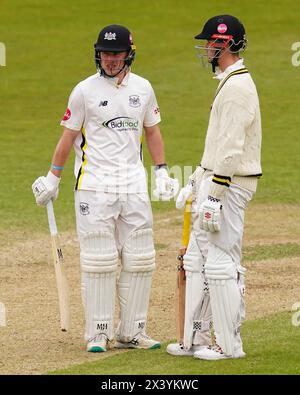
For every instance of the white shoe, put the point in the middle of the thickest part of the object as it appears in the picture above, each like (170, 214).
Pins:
(215, 353)
(98, 343)
(178, 350)
(141, 340)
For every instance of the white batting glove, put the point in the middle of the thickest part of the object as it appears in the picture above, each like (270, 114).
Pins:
(45, 189)
(209, 214)
(184, 194)
(166, 187)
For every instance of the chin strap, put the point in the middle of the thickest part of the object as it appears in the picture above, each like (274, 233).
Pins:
(128, 61)
(104, 74)
(215, 60)
(214, 64)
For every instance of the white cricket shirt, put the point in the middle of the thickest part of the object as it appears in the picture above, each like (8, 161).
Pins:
(111, 118)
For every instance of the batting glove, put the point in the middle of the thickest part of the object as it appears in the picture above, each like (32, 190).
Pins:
(166, 187)
(184, 194)
(209, 214)
(45, 189)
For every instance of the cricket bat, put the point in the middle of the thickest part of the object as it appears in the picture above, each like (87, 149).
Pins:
(181, 279)
(61, 278)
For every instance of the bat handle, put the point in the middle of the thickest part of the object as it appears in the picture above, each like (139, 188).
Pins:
(51, 219)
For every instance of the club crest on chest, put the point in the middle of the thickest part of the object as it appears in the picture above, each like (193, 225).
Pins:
(84, 208)
(134, 101)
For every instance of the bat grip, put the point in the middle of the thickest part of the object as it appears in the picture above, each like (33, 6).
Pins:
(51, 219)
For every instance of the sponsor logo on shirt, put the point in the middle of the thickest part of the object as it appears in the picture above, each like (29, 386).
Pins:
(110, 36)
(103, 103)
(134, 101)
(67, 114)
(122, 124)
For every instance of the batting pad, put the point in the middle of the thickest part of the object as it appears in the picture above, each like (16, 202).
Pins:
(197, 304)
(226, 299)
(138, 259)
(99, 261)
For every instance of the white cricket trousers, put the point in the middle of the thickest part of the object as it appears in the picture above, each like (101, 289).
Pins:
(119, 213)
(230, 236)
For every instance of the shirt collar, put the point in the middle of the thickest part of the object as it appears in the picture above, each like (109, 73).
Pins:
(220, 75)
(114, 81)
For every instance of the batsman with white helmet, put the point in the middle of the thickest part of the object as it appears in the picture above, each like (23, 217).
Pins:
(222, 187)
(104, 122)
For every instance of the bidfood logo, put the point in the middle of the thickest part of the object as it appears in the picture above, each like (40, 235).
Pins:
(122, 124)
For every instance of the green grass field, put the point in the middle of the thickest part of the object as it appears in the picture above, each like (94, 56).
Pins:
(49, 47)
(268, 351)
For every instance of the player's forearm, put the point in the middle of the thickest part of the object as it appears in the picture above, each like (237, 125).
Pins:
(155, 144)
(62, 152)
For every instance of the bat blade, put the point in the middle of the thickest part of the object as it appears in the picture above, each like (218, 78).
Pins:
(180, 296)
(62, 284)
(181, 278)
(60, 274)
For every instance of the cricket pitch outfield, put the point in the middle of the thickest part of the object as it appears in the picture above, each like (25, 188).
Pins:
(32, 342)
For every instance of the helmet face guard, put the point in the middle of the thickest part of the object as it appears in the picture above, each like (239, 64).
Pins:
(223, 33)
(127, 60)
(216, 44)
(114, 39)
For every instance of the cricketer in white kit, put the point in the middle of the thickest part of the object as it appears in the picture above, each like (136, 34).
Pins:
(104, 122)
(222, 187)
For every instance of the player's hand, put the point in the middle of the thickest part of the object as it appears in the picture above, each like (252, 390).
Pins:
(45, 189)
(191, 187)
(210, 214)
(166, 187)
(184, 194)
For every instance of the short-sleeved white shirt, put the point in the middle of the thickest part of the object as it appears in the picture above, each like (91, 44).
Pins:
(111, 118)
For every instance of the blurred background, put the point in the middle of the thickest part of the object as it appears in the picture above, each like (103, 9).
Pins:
(49, 49)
